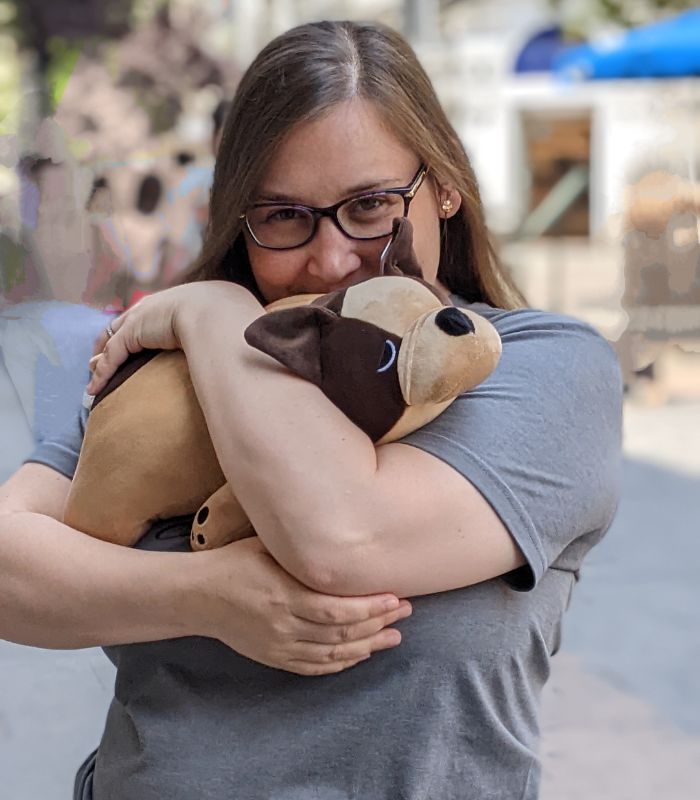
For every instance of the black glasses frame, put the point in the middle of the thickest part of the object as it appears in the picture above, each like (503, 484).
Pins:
(405, 192)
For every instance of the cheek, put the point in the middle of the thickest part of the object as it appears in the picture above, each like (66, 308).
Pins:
(426, 243)
(425, 218)
(273, 271)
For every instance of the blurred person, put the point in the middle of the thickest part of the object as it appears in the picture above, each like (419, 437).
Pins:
(55, 227)
(270, 668)
(186, 210)
(45, 335)
(661, 297)
(24, 274)
(132, 252)
(105, 286)
(187, 200)
(100, 201)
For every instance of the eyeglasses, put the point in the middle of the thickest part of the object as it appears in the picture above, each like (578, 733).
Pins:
(284, 226)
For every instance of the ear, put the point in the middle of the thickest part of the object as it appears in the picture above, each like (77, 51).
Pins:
(449, 201)
(292, 336)
(398, 257)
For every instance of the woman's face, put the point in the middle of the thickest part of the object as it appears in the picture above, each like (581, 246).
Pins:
(346, 152)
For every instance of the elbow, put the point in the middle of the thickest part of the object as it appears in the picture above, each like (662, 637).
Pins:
(343, 568)
(329, 553)
(333, 577)
(336, 563)
(316, 574)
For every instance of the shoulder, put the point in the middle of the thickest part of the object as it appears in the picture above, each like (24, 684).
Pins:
(554, 398)
(551, 345)
(540, 438)
(532, 323)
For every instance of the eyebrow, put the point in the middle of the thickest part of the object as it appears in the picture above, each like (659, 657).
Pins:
(360, 188)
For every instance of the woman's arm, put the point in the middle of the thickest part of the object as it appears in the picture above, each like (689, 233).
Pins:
(339, 514)
(542, 440)
(63, 589)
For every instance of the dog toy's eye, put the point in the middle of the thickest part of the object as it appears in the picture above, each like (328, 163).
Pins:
(388, 356)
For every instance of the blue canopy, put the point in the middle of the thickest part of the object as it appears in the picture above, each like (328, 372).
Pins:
(540, 50)
(667, 49)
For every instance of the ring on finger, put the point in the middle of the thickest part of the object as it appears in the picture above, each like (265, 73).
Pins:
(109, 331)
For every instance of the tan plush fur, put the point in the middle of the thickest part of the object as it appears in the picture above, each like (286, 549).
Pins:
(146, 455)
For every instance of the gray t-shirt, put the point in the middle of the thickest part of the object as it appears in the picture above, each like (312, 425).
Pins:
(452, 713)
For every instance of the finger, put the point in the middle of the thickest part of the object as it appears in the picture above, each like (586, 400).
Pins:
(337, 634)
(342, 610)
(100, 343)
(311, 669)
(105, 335)
(349, 651)
(107, 363)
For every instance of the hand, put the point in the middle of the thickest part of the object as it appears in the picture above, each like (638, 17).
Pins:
(157, 322)
(262, 612)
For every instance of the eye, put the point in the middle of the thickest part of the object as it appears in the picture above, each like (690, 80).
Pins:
(368, 205)
(388, 356)
(284, 215)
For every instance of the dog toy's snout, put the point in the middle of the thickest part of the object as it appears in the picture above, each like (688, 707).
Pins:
(453, 322)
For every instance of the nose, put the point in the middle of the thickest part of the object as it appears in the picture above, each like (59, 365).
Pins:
(332, 255)
(453, 322)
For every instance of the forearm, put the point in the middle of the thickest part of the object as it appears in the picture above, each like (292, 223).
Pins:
(63, 589)
(302, 471)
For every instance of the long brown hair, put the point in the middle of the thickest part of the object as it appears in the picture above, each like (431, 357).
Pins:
(302, 74)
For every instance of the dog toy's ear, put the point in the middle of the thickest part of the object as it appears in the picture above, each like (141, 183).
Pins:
(398, 257)
(292, 336)
(446, 352)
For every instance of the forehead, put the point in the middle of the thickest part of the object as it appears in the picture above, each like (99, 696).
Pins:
(348, 146)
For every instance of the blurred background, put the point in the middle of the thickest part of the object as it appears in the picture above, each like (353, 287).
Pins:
(582, 120)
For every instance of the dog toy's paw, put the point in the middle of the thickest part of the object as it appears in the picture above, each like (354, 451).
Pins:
(219, 521)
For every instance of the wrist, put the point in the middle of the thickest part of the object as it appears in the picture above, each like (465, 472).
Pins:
(164, 585)
(219, 305)
(201, 605)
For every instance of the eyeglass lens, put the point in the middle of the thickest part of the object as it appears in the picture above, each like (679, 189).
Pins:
(366, 217)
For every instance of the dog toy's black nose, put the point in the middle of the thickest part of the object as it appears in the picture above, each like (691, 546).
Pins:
(453, 322)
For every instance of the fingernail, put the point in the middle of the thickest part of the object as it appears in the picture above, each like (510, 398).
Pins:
(391, 603)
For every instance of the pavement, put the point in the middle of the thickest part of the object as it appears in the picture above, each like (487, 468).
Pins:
(621, 712)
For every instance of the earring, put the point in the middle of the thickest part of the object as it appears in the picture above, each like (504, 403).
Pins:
(446, 206)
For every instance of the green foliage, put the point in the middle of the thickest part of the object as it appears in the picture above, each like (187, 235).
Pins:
(12, 264)
(63, 57)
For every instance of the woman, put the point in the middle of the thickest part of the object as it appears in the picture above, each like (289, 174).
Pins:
(483, 516)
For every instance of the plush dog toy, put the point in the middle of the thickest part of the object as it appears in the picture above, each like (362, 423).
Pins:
(390, 352)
